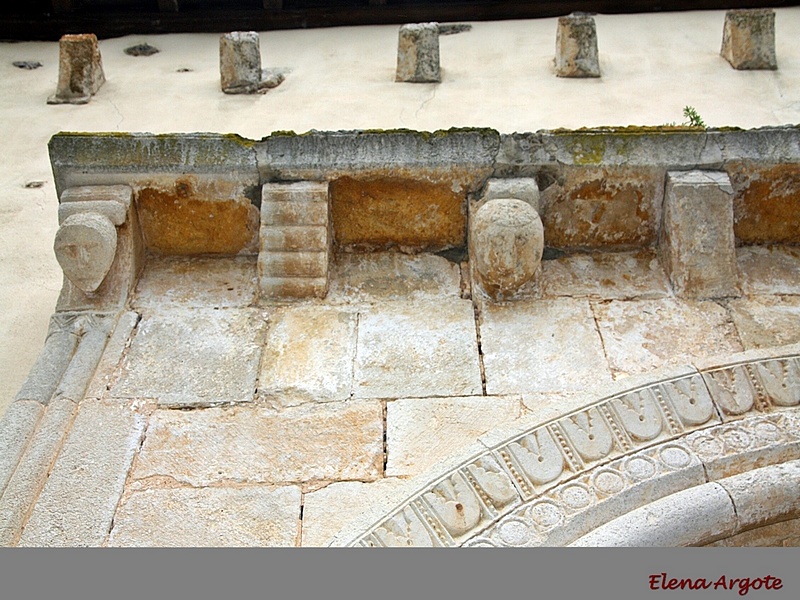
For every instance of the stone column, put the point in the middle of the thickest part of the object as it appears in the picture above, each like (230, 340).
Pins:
(295, 240)
(576, 47)
(418, 53)
(521, 188)
(697, 241)
(748, 39)
(506, 240)
(80, 69)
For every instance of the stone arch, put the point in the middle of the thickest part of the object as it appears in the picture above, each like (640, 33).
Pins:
(717, 438)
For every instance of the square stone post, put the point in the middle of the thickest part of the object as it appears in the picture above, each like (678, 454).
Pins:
(748, 39)
(240, 62)
(576, 47)
(697, 240)
(80, 69)
(418, 53)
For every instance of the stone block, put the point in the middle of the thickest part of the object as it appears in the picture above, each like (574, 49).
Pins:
(16, 429)
(767, 321)
(768, 270)
(293, 287)
(308, 356)
(605, 275)
(53, 360)
(416, 350)
(592, 207)
(193, 357)
(748, 39)
(327, 510)
(80, 69)
(576, 47)
(418, 53)
(77, 505)
(209, 517)
(240, 62)
(422, 432)
(506, 241)
(33, 468)
(699, 514)
(107, 365)
(697, 240)
(766, 204)
(765, 495)
(390, 213)
(521, 188)
(541, 346)
(642, 335)
(292, 214)
(197, 281)
(255, 444)
(293, 264)
(295, 239)
(387, 276)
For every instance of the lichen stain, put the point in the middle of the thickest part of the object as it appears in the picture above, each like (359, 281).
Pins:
(766, 204)
(600, 211)
(384, 213)
(188, 216)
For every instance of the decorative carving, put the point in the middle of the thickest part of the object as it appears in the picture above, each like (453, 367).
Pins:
(732, 389)
(639, 414)
(589, 434)
(538, 456)
(456, 504)
(780, 379)
(85, 247)
(689, 397)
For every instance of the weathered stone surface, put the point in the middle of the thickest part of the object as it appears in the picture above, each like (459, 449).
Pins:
(785, 534)
(80, 69)
(254, 444)
(112, 201)
(418, 53)
(541, 346)
(606, 275)
(219, 164)
(197, 215)
(521, 188)
(209, 517)
(226, 282)
(766, 204)
(33, 468)
(463, 155)
(415, 350)
(697, 242)
(765, 495)
(77, 505)
(505, 244)
(422, 432)
(576, 47)
(696, 515)
(610, 208)
(327, 510)
(193, 357)
(767, 321)
(396, 212)
(748, 39)
(769, 269)
(641, 335)
(107, 365)
(94, 335)
(386, 276)
(308, 356)
(16, 429)
(240, 62)
(53, 360)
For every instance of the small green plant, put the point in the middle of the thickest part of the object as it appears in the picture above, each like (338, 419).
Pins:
(694, 120)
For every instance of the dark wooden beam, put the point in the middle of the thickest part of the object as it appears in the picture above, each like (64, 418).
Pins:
(115, 22)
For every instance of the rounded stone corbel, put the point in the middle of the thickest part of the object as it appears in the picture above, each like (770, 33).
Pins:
(506, 242)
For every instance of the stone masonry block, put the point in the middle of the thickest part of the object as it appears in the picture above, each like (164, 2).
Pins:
(240, 62)
(523, 188)
(748, 39)
(697, 239)
(576, 47)
(294, 264)
(80, 69)
(418, 53)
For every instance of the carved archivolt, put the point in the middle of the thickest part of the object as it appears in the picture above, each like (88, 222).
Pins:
(561, 480)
